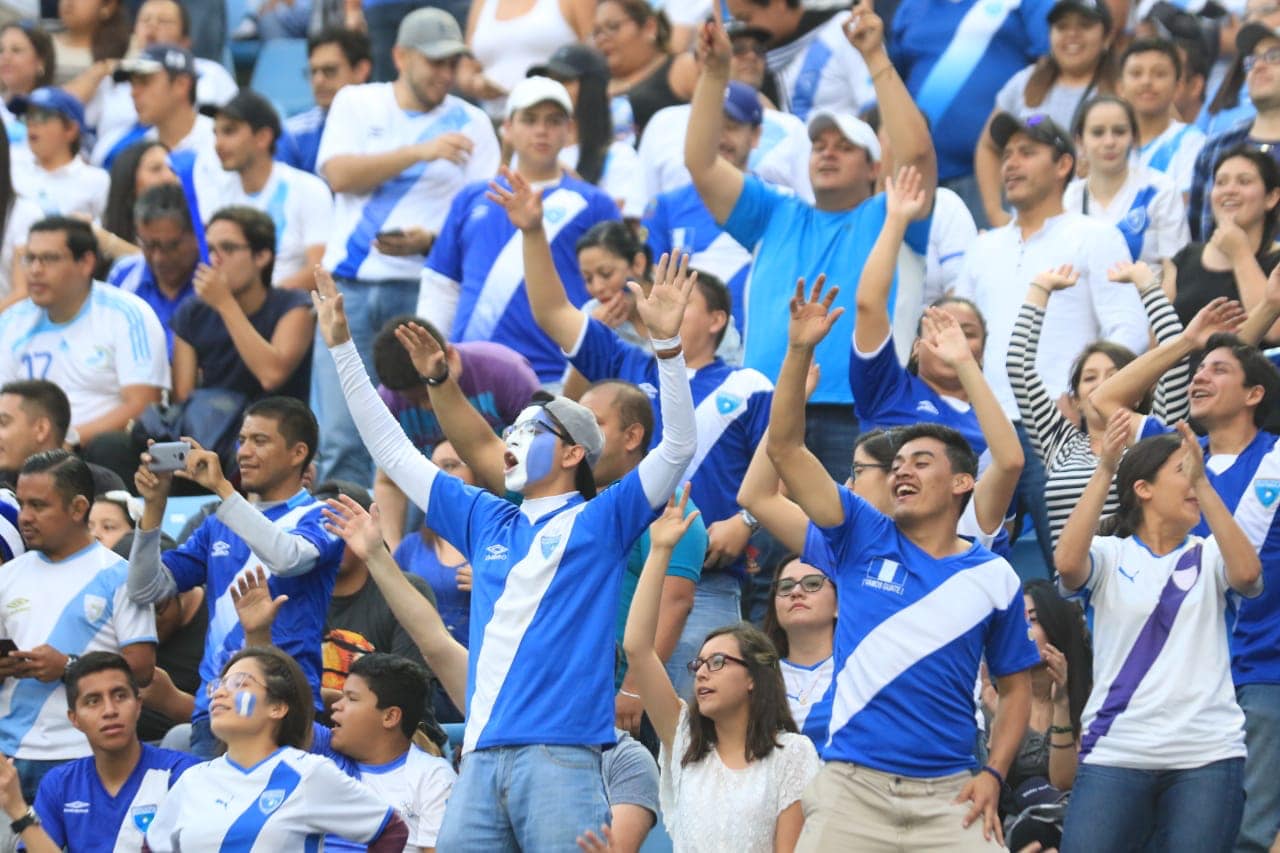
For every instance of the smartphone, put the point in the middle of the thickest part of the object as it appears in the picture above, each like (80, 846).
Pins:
(7, 647)
(390, 232)
(168, 456)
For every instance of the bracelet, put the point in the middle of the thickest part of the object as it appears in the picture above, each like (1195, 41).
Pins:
(1071, 745)
(660, 344)
(884, 70)
(1062, 730)
(628, 694)
(987, 768)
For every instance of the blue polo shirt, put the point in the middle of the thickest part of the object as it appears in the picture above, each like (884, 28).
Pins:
(133, 274)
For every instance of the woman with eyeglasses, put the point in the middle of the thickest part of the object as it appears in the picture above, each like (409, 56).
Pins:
(646, 75)
(1162, 747)
(733, 765)
(801, 623)
(267, 792)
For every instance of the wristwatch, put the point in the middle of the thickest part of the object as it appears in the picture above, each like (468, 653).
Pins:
(434, 381)
(25, 822)
(749, 520)
(71, 661)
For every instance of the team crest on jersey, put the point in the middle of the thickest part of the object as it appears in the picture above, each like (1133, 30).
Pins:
(142, 817)
(888, 575)
(553, 215)
(548, 543)
(270, 800)
(726, 403)
(1267, 491)
(1136, 220)
(220, 549)
(94, 607)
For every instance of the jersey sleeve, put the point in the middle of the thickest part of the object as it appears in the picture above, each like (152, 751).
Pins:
(627, 507)
(446, 252)
(874, 378)
(317, 210)
(345, 806)
(1214, 566)
(311, 529)
(188, 563)
(750, 216)
(458, 511)
(343, 129)
(630, 775)
(1104, 557)
(50, 799)
(141, 350)
(430, 798)
(1169, 222)
(1009, 647)
(1151, 427)
(601, 354)
(133, 623)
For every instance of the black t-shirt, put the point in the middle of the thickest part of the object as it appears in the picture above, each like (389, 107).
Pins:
(1197, 286)
(362, 623)
(220, 363)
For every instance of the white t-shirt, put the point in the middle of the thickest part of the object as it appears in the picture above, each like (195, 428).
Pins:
(1148, 211)
(76, 189)
(781, 157)
(77, 605)
(1162, 693)
(1060, 102)
(22, 216)
(708, 807)
(281, 803)
(114, 341)
(417, 785)
(366, 119)
(298, 202)
(951, 231)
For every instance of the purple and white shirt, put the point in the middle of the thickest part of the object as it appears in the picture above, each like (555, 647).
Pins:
(1162, 693)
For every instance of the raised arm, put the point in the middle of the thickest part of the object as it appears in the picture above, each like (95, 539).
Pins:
(1046, 426)
(643, 663)
(149, 581)
(467, 430)
(904, 201)
(805, 477)
(718, 182)
(994, 490)
(1251, 281)
(986, 171)
(552, 309)
(759, 495)
(1071, 557)
(391, 449)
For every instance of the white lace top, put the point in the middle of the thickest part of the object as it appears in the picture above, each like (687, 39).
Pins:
(709, 807)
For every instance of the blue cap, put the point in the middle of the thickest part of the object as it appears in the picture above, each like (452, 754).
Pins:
(52, 100)
(742, 104)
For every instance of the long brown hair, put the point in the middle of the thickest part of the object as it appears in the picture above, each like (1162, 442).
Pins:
(767, 713)
(1045, 74)
(285, 683)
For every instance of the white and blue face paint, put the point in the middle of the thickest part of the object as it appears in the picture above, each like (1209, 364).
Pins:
(244, 702)
(531, 448)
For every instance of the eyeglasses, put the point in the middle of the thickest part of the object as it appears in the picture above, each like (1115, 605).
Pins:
(609, 28)
(231, 681)
(808, 583)
(714, 663)
(46, 259)
(160, 247)
(856, 469)
(742, 47)
(1271, 56)
(533, 427)
(222, 250)
(328, 72)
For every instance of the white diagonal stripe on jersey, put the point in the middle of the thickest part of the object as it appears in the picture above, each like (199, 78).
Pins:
(513, 612)
(914, 633)
(723, 257)
(507, 272)
(1253, 517)
(711, 423)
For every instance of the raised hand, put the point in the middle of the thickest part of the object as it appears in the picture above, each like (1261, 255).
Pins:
(1220, 315)
(1055, 663)
(865, 29)
(1136, 273)
(331, 315)
(425, 352)
(1059, 278)
(522, 202)
(1229, 238)
(151, 485)
(904, 196)
(662, 309)
(362, 531)
(1193, 454)
(589, 842)
(667, 529)
(212, 288)
(713, 47)
(15, 806)
(1114, 440)
(253, 602)
(943, 337)
(812, 317)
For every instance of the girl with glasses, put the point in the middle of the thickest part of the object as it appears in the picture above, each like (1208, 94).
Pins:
(801, 623)
(266, 792)
(733, 765)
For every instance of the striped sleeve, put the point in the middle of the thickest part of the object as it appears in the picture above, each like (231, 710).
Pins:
(1046, 427)
(11, 544)
(1172, 400)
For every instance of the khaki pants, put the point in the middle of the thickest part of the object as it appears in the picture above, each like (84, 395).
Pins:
(851, 807)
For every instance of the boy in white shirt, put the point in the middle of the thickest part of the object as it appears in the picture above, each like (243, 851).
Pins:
(55, 177)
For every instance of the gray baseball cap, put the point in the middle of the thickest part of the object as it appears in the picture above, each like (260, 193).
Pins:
(432, 32)
(580, 422)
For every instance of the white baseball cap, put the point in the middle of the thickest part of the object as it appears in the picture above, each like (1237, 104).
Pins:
(536, 90)
(855, 130)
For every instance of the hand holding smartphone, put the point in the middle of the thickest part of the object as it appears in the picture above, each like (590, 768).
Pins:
(168, 456)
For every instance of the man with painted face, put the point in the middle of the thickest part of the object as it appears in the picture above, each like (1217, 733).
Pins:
(545, 584)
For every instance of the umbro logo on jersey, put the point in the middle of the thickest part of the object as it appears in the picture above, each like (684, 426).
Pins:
(726, 403)
(649, 390)
(76, 807)
(220, 549)
(495, 552)
(887, 575)
(271, 800)
(548, 544)
(1267, 491)
(142, 817)
(19, 605)
(926, 406)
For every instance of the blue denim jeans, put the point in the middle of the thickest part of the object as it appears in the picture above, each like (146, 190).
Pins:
(1119, 809)
(369, 305)
(717, 601)
(30, 772)
(1261, 705)
(1030, 500)
(530, 798)
(830, 430)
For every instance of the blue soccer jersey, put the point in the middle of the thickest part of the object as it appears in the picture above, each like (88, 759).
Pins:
(300, 141)
(79, 814)
(955, 57)
(539, 579)
(790, 240)
(911, 633)
(678, 221)
(1250, 487)
(731, 409)
(480, 251)
(215, 555)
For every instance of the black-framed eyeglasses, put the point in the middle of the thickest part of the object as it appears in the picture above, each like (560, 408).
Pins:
(856, 469)
(1270, 56)
(741, 47)
(808, 583)
(714, 662)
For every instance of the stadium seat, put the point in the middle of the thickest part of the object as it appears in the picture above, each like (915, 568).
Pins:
(454, 731)
(243, 53)
(278, 75)
(179, 510)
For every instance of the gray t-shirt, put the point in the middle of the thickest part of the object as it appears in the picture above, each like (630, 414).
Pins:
(1059, 103)
(630, 774)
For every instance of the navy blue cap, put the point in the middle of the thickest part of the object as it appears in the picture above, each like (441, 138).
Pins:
(53, 100)
(742, 104)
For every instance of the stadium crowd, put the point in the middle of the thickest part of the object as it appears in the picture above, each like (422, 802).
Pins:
(709, 425)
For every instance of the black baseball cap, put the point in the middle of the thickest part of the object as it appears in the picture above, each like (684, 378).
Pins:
(571, 62)
(252, 109)
(1038, 126)
(1251, 35)
(1095, 9)
(737, 29)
